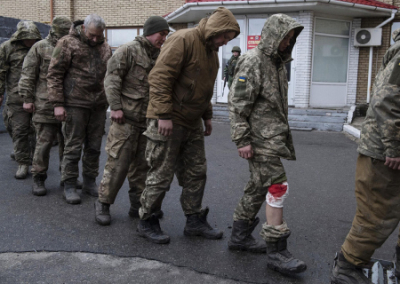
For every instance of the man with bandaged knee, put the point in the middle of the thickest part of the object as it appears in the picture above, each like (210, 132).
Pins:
(259, 126)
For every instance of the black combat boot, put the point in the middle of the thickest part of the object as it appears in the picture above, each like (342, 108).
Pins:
(134, 213)
(38, 187)
(89, 186)
(281, 260)
(241, 238)
(151, 230)
(102, 211)
(397, 272)
(344, 272)
(197, 225)
(70, 194)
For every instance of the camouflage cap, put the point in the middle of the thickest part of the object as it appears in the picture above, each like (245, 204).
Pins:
(60, 26)
(237, 49)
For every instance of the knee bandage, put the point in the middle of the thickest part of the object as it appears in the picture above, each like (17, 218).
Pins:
(277, 193)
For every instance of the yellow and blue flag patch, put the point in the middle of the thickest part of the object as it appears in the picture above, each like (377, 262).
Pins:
(242, 79)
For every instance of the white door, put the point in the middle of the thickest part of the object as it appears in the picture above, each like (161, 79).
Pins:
(291, 70)
(225, 53)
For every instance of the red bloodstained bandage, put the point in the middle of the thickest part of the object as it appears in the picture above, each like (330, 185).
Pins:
(277, 194)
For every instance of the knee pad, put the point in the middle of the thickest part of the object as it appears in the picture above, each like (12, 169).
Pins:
(277, 194)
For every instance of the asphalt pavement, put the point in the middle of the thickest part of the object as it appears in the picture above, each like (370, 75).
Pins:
(45, 240)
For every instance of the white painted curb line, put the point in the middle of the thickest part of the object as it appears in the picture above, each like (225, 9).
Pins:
(351, 130)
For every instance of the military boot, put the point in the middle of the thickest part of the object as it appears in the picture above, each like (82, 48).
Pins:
(397, 272)
(197, 225)
(241, 238)
(70, 194)
(151, 230)
(89, 186)
(38, 187)
(78, 184)
(281, 260)
(344, 272)
(102, 211)
(12, 155)
(134, 213)
(22, 171)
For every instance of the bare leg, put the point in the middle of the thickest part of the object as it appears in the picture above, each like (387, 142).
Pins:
(274, 215)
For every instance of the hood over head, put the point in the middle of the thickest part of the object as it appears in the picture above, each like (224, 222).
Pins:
(274, 31)
(396, 35)
(26, 30)
(220, 21)
(60, 27)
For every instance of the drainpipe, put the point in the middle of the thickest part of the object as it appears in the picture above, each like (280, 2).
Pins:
(51, 11)
(371, 50)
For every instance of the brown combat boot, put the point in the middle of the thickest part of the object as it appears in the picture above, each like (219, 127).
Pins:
(241, 238)
(38, 187)
(197, 225)
(344, 272)
(22, 171)
(281, 260)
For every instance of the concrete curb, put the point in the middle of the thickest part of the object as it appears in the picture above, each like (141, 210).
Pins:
(351, 130)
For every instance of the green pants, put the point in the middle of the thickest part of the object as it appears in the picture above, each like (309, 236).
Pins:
(83, 128)
(23, 133)
(377, 191)
(126, 147)
(46, 133)
(182, 154)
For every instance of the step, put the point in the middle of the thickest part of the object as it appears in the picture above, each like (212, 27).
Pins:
(317, 112)
(321, 126)
(314, 118)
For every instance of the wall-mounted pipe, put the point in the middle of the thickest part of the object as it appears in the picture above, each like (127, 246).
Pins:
(371, 53)
(51, 11)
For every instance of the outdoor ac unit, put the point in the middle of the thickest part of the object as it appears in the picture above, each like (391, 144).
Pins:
(368, 37)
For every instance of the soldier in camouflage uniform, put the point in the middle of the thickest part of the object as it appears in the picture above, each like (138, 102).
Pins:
(33, 89)
(258, 110)
(76, 90)
(377, 175)
(127, 90)
(181, 87)
(12, 54)
(229, 69)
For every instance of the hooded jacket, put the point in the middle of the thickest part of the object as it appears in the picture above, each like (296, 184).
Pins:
(33, 82)
(12, 54)
(76, 72)
(182, 81)
(258, 106)
(126, 82)
(380, 132)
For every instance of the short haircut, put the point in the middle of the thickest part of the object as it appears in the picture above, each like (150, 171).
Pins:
(96, 20)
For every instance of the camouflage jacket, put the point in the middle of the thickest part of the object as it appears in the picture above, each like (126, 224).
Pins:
(380, 133)
(33, 82)
(76, 72)
(182, 80)
(258, 106)
(126, 82)
(12, 54)
(230, 66)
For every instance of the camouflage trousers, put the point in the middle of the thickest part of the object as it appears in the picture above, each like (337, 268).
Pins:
(46, 134)
(83, 127)
(378, 211)
(126, 147)
(6, 120)
(19, 123)
(182, 154)
(262, 176)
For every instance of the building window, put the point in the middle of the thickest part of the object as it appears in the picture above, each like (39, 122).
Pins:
(331, 51)
(119, 36)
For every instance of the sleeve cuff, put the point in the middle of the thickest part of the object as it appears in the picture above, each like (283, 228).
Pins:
(242, 143)
(29, 100)
(393, 151)
(116, 106)
(165, 116)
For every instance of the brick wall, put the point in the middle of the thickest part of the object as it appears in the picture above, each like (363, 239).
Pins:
(116, 13)
(378, 53)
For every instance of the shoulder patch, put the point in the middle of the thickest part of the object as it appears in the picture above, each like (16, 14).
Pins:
(242, 79)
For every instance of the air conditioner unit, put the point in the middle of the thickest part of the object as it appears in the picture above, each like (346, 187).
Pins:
(368, 37)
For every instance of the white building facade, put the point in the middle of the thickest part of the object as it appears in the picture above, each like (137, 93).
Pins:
(323, 73)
